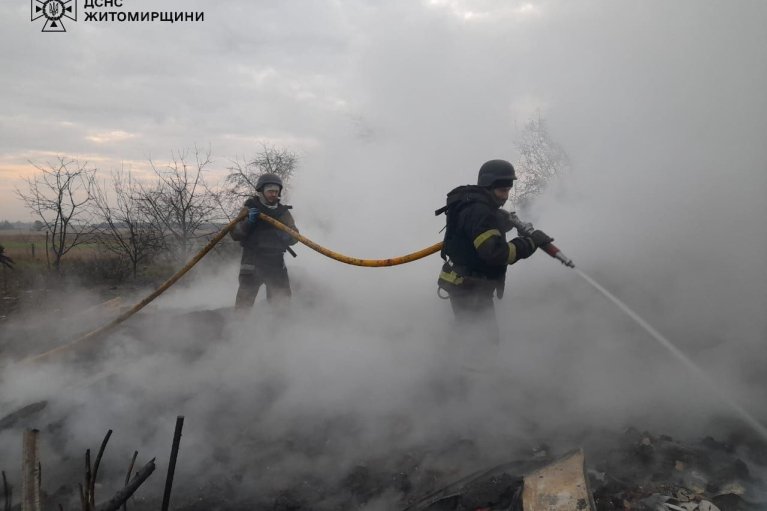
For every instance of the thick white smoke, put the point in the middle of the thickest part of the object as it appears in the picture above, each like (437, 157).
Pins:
(659, 108)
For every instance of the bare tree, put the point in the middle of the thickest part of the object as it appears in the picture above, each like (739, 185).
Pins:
(240, 183)
(180, 203)
(541, 160)
(125, 229)
(59, 196)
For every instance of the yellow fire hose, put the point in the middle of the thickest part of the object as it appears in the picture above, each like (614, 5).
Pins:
(372, 263)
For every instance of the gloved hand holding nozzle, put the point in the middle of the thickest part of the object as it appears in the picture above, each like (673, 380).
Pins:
(540, 238)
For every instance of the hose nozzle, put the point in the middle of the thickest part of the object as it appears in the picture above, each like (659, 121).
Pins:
(526, 229)
(554, 252)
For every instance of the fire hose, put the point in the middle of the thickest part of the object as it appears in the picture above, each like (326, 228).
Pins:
(522, 227)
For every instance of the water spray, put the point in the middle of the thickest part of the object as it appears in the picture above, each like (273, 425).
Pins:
(689, 364)
(526, 229)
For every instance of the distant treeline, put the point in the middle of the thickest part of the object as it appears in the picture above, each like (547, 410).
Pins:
(6, 225)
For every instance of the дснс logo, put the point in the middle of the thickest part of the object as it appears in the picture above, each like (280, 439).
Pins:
(54, 12)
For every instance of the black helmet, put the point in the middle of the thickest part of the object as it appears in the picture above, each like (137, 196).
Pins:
(496, 174)
(268, 179)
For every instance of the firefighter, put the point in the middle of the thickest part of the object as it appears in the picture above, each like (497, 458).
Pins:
(476, 251)
(4, 259)
(264, 246)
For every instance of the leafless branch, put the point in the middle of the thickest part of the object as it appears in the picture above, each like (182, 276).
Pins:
(92, 490)
(240, 183)
(7, 494)
(179, 202)
(541, 160)
(58, 195)
(124, 228)
(127, 476)
(124, 494)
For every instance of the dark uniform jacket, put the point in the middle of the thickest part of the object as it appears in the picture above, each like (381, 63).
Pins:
(475, 239)
(262, 241)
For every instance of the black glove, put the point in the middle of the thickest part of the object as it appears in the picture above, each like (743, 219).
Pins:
(540, 238)
(524, 228)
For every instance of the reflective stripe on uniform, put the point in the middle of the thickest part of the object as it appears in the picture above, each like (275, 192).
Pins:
(512, 253)
(247, 267)
(451, 277)
(479, 240)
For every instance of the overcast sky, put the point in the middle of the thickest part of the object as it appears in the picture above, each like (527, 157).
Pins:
(380, 92)
(661, 106)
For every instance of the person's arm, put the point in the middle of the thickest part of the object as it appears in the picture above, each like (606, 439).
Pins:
(482, 228)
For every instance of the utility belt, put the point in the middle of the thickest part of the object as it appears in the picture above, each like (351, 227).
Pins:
(456, 279)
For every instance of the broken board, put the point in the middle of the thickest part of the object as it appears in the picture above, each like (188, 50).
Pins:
(559, 486)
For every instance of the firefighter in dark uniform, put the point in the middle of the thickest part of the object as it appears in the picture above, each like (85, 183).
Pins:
(263, 245)
(476, 251)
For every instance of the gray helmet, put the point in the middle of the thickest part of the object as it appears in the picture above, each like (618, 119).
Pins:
(268, 179)
(496, 174)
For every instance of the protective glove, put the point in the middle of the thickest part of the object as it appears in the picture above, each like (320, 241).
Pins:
(253, 215)
(525, 228)
(540, 238)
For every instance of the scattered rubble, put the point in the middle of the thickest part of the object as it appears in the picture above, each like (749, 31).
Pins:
(623, 470)
(627, 471)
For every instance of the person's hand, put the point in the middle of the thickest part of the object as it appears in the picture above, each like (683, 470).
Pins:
(525, 228)
(253, 215)
(540, 238)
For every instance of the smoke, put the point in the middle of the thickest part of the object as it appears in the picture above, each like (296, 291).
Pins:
(659, 109)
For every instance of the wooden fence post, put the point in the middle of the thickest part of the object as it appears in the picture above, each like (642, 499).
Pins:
(30, 484)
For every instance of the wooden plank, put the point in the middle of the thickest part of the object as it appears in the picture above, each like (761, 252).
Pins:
(559, 486)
